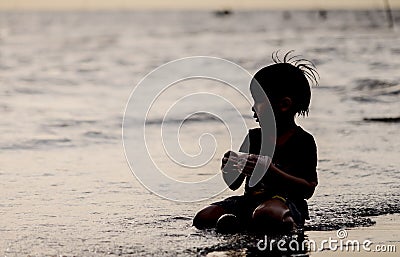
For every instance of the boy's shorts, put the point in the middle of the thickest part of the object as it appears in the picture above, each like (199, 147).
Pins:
(243, 207)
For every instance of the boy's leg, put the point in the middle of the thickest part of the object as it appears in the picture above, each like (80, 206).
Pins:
(273, 215)
(207, 217)
(238, 205)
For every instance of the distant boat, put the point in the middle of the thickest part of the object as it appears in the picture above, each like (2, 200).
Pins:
(223, 13)
(323, 14)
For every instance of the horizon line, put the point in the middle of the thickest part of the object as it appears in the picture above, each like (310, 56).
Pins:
(95, 9)
(210, 5)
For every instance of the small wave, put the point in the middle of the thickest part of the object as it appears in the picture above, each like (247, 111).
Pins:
(373, 84)
(5, 108)
(395, 50)
(371, 90)
(98, 134)
(71, 123)
(28, 91)
(181, 218)
(38, 144)
(366, 99)
(380, 65)
(199, 117)
(49, 142)
(320, 50)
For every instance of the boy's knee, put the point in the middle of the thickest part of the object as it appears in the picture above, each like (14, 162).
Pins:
(199, 220)
(207, 217)
(262, 220)
(263, 214)
(273, 209)
(272, 220)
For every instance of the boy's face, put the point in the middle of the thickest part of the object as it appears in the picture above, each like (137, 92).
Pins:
(261, 107)
(261, 103)
(264, 104)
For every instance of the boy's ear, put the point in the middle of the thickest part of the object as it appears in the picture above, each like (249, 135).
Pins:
(285, 104)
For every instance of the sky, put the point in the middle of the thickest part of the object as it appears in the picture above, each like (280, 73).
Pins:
(192, 4)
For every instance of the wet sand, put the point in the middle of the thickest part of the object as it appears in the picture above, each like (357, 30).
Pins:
(386, 232)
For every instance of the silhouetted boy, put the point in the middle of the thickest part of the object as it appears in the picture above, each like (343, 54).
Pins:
(277, 201)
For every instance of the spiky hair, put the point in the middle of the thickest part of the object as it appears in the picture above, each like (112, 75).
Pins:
(306, 66)
(290, 75)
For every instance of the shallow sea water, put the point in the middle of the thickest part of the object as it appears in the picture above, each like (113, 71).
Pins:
(66, 188)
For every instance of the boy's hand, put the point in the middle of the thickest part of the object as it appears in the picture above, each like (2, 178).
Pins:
(245, 163)
(256, 166)
(229, 161)
(250, 162)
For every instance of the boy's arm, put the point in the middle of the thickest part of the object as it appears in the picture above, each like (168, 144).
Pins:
(294, 184)
(233, 178)
(304, 164)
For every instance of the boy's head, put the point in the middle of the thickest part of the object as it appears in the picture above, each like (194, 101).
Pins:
(286, 84)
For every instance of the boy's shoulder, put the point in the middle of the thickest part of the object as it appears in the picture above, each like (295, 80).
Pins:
(304, 139)
(300, 134)
(303, 133)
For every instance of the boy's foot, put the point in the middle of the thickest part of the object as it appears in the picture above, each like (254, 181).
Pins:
(228, 223)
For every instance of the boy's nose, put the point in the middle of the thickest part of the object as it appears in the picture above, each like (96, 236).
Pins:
(254, 111)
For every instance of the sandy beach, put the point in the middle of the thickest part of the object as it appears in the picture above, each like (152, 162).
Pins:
(65, 79)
